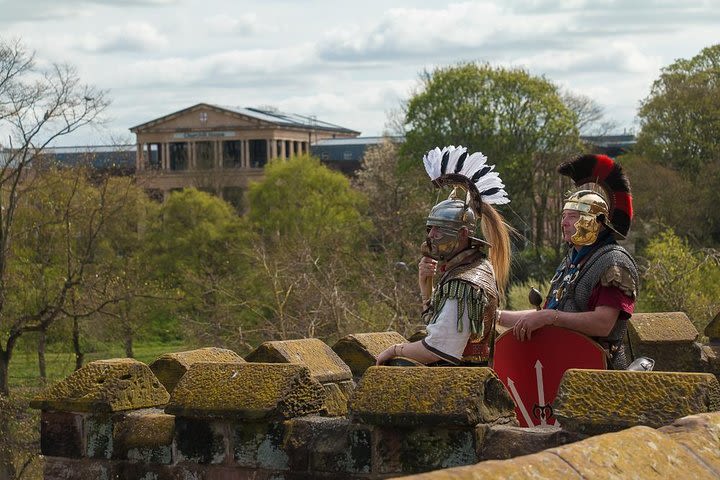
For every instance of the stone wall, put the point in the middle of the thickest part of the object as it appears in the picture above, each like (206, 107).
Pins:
(300, 409)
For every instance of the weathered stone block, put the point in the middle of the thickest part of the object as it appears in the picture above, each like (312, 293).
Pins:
(336, 401)
(324, 364)
(700, 434)
(711, 358)
(666, 337)
(360, 350)
(250, 391)
(144, 471)
(145, 436)
(201, 441)
(105, 386)
(98, 436)
(500, 442)
(638, 452)
(542, 465)
(61, 434)
(328, 445)
(599, 401)
(170, 367)
(77, 469)
(260, 445)
(420, 396)
(422, 449)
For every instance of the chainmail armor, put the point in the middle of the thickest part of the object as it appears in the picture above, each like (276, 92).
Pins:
(578, 293)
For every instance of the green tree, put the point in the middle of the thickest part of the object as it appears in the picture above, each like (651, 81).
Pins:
(680, 118)
(518, 120)
(679, 278)
(312, 241)
(36, 107)
(199, 255)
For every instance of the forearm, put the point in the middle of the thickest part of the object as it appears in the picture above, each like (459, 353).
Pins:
(595, 323)
(508, 318)
(414, 350)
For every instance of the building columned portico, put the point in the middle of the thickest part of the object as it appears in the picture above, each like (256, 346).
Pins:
(221, 149)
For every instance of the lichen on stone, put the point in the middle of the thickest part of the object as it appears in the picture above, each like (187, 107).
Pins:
(105, 386)
(406, 396)
(323, 362)
(359, 351)
(170, 367)
(251, 391)
(599, 401)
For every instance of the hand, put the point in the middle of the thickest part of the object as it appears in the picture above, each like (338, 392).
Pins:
(426, 271)
(530, 322)
(386, 355)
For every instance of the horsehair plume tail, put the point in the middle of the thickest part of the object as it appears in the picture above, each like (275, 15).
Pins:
(607, 173)
(497, 233)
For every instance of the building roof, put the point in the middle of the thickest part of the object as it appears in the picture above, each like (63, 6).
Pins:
(268, 115)
(332, 142)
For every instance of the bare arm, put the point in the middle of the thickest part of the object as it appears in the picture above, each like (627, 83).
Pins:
(414, 350)
(595, 323)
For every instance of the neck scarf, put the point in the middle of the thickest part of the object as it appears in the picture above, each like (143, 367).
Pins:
(568, 271)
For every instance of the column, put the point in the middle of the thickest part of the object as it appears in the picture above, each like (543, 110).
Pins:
(138, 157)
(166, 156)
(246, 154)
(272, 151)
(191, 155)
(282, 149)
(217, 154)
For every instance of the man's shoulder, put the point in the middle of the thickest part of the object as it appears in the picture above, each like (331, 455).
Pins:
(478, 273)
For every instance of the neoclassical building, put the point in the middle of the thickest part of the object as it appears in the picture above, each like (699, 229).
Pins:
(221, 149)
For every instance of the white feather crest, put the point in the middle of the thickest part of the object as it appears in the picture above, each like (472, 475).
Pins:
(488, 182)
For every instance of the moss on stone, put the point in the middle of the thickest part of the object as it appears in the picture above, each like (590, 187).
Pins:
(324, 364)
(105, 386)
(250, 391)
(599, 401)
(661, 327)
(336, 402)
(144, 428)
(170, 367)
(360, 350)
(407, 396)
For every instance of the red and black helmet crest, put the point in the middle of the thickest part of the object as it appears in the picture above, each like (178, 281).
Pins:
(604, 171)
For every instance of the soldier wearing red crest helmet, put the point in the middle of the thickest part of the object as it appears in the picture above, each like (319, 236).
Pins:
(594, 289)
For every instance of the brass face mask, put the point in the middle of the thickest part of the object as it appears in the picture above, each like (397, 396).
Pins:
(443, 246)
(593, 209)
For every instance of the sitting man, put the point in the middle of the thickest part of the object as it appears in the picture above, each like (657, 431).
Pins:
(595, 287)
(462, 308)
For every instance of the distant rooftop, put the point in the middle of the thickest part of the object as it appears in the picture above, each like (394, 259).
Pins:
(331, 142)
(264, 114)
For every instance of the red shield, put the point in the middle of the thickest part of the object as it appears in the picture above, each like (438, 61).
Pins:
(531, 370)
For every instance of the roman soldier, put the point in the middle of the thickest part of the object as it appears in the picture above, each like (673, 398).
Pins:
(595, 286)
(471, 271)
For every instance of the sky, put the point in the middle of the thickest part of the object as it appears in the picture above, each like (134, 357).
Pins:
(348, 63)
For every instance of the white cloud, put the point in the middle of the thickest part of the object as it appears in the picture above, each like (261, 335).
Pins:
(131, 37)
(224, 24)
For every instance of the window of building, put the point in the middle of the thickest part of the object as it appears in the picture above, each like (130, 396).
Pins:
(347, 155)
(204, 155)
(324, 156)
(258, 153)
(155, 156)
(178, 156)
(232, 150)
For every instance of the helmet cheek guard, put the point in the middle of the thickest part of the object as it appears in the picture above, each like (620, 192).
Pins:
(593, 213)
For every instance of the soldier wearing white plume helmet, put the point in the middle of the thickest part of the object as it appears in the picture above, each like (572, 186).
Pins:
(469, 271)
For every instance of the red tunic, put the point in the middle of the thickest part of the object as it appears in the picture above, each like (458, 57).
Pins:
(611, 297)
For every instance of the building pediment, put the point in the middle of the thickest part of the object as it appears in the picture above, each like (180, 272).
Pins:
(201, 117)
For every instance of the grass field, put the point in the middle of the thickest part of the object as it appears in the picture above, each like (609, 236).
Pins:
(24, 371)
(25, 383)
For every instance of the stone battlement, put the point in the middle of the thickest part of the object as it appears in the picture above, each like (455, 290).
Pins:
(301, 409)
